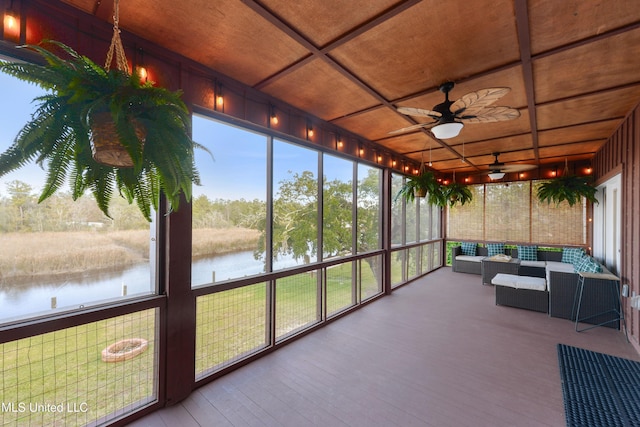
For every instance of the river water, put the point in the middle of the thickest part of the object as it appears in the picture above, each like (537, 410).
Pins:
(38, 296)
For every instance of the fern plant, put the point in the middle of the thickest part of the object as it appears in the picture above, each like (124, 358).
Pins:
(58, 135)
(457, 193)
(569, 188)
(423, 185)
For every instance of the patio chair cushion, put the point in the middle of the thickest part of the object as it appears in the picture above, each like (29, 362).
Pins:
(468, 248)
(528, 253)
(495, 248)
(561, 267)
(572, 255)
(520, 282)
(541, 264)
(474, 258)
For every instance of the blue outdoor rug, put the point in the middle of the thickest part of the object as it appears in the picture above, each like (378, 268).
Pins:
(599, 390)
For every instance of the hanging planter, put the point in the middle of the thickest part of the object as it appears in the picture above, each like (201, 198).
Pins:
(422, 185)
(104, 130)
(568, 187)
(106, 147)
(457, 193)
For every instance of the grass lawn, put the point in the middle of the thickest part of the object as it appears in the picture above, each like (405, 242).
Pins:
(65, 368)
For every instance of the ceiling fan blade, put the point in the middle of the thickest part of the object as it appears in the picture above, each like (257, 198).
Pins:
(517, 168)
(419, 112)
(491, 114)
(473, 102)
(413, 127)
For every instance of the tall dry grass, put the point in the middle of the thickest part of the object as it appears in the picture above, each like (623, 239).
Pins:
(55, 253)
(216, 241)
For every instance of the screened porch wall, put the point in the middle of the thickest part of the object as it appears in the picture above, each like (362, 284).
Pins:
(180, 313)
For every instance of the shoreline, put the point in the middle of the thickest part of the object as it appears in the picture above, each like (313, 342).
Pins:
(73, 254)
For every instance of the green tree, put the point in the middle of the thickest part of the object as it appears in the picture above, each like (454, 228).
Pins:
(20, 199)
(295, 213)
(369, 213)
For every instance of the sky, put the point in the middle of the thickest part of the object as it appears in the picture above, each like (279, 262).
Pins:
(237, 170)
(16, 107)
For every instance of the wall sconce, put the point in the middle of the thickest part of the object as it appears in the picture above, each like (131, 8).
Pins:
(142, 72)
(11, 25)
(406, 168)
(309, 131)
(339, 143)
(379, 158)
(219, 98)
(273, 117)
(467, 179)
(361, 151)
(139, 68)
(553, 173)
(394, 163)
(588, 170)
(522, 175)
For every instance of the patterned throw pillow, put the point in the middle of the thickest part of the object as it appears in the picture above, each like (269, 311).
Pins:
(572, 255)
(588, 264)
(495, 248)
(469, 248)
(528, 253)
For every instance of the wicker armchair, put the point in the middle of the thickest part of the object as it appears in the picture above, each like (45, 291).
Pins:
(467, 266)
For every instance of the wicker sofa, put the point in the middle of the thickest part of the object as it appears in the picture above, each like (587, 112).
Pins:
(537, 268)
(467, 263)
(561, 280)
(559, 298)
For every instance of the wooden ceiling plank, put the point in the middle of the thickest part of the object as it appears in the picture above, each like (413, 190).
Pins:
(103, 9)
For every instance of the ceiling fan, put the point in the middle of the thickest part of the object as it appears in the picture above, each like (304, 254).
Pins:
(497, 169)
(449, 116)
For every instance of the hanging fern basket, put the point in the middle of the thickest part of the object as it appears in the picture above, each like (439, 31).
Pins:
(420, 192)
(106, 147)
(105, 141)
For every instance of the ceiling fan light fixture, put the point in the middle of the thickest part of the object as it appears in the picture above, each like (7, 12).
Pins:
(447, 130)
(494, 175)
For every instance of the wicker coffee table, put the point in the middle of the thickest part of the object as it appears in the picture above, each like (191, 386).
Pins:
(492, 266)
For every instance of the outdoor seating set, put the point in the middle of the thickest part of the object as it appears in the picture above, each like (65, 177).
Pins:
(543, 280)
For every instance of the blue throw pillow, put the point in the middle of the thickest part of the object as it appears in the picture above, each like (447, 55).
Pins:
(469, 248)
(572, 255)
(528, 253)
(495, 248)
(588, 264)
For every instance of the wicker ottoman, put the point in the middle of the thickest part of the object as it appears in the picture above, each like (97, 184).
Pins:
(529, 293)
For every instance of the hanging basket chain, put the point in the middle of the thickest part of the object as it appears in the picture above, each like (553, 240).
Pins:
(116, 44)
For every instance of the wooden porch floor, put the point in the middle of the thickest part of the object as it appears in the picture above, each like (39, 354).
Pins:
(438, 352)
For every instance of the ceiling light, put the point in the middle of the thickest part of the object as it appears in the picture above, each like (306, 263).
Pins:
(496, 175)
(447, 130)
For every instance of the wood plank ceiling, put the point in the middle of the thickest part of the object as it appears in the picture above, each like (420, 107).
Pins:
(573, 66)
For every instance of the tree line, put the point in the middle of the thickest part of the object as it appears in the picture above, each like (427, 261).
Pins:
(293, 229)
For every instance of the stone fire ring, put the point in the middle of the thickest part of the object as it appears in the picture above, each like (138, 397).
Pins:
(124, 350)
